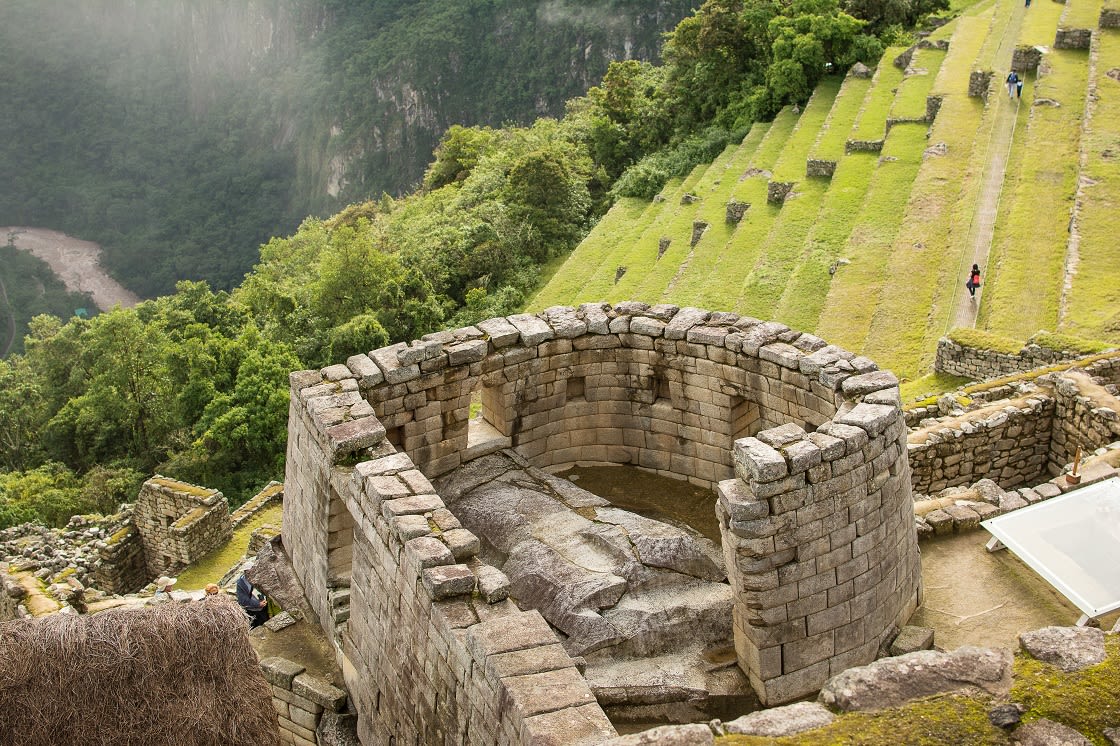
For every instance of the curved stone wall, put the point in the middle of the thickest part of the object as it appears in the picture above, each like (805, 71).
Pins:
(805, 442)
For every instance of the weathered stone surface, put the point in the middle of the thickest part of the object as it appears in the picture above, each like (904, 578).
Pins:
(533, 330)
(337, 729)
(760, 462)
(448, 580)
(684, 320)
(911, 639)
(272, 574)
(781, 721)
(1068, 648)
(667, 735)
(571, 726)
(662, 545)
(493, 585)
(1005, 716)
(892, 681)
(1043, 732)
(280, 671)
(319, 691)
(869, 382)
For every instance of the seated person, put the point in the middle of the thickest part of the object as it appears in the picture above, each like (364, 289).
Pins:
(163, 589)
(252, 602)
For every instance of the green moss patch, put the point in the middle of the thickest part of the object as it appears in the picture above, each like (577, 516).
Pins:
(1087, 700)
(937, 721)
(982, 340)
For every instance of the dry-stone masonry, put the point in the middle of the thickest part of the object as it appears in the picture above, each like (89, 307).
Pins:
(122, 566)
(179, 523)
(1073, 38)
(300, 699)
(805, 440)
(1026, 59)
(979, 364)
(778, 191)
(815, 167)
(736, 210)
(979, 83)
(1109, 18)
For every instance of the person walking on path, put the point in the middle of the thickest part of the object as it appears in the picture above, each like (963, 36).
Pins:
(1019, 88)
(1012, 83)
(973, 281)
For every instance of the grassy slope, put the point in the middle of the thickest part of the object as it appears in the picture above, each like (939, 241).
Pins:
(781, 249)
(915, 300)
(616, 229)
(1094, 301)
(725, 249)
(1031, 230)
(845, 314)
(712, 208)
(804, 293)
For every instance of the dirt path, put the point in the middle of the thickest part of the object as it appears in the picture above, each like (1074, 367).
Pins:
(991, 188)
(76, 262)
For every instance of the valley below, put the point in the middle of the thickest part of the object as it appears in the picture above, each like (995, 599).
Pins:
(76, 262)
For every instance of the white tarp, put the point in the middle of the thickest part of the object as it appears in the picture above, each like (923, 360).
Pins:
(1073, 541)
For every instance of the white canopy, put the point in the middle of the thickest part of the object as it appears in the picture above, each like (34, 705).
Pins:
(1073, 541)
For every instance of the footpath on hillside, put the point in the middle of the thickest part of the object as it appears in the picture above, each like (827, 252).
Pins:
(991, 187)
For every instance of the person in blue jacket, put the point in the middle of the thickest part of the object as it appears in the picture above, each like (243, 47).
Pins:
(253, 604)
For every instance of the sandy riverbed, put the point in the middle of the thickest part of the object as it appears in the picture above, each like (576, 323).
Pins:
(75, 261)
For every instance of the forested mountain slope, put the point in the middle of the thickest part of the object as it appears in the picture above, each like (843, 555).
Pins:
(183, 134)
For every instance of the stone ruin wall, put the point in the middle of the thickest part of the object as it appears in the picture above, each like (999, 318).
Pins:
(424, 658)
(1023, 438)
(122, 565)
(817, 515)
(980, 364)
(10, 594)
(179, 523)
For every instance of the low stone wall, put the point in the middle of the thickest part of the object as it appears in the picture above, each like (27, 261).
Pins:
(1073, 38)
(981, 364)
(272, 493)
(1008, 443)
(121, 565)
(1109, 18)
(979, 83)
(1085, 416)
(778, 191)
(863, 146)
(10, 594)
(815, 167)
(1026, 59)
(300, 700)
(179, 523)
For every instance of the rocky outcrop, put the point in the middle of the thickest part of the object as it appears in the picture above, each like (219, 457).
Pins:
(892, 681)
(781, 721)
(1068, 648)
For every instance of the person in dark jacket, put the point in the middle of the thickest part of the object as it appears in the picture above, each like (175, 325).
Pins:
(973, 280)
(253, 604)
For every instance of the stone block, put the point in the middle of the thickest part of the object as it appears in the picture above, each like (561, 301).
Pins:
(585, 724)
(462, 543)
(538, 693)
(428, 551)
(759, 462)
(500, 331)
(447, 581)
(319, 691)
(280, 671)
(911, 639)
(413, 505)
(493, 585)
(503, 634)
(533, 330)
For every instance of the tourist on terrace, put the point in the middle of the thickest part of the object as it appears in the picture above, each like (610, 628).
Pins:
(1012, 83)
(973, 280)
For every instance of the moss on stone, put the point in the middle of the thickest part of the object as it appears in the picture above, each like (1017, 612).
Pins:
(982, 340)
(1063, 342)
(1087, 701)
(930, 722)
(177, 486)
(214, 565)
(119, 535)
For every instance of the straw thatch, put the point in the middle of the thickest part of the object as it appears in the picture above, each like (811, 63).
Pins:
(177, 673)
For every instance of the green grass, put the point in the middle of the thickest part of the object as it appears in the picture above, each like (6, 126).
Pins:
(1031, 230)
(910, 100)
(872, 120)
(917, 298)
(693, 285)
(1081, 14)
(835, 131)
(1040, 24)
(214, 565)
(846, 314)
(982, 340)
(1093, 308)
(925, 390)
(617, 228)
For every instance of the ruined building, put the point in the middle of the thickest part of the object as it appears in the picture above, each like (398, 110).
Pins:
(804, 443)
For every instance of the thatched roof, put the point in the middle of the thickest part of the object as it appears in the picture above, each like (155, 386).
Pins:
(176, 673)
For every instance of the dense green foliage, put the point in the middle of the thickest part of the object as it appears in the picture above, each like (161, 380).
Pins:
(28, 288)
(194, 384)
